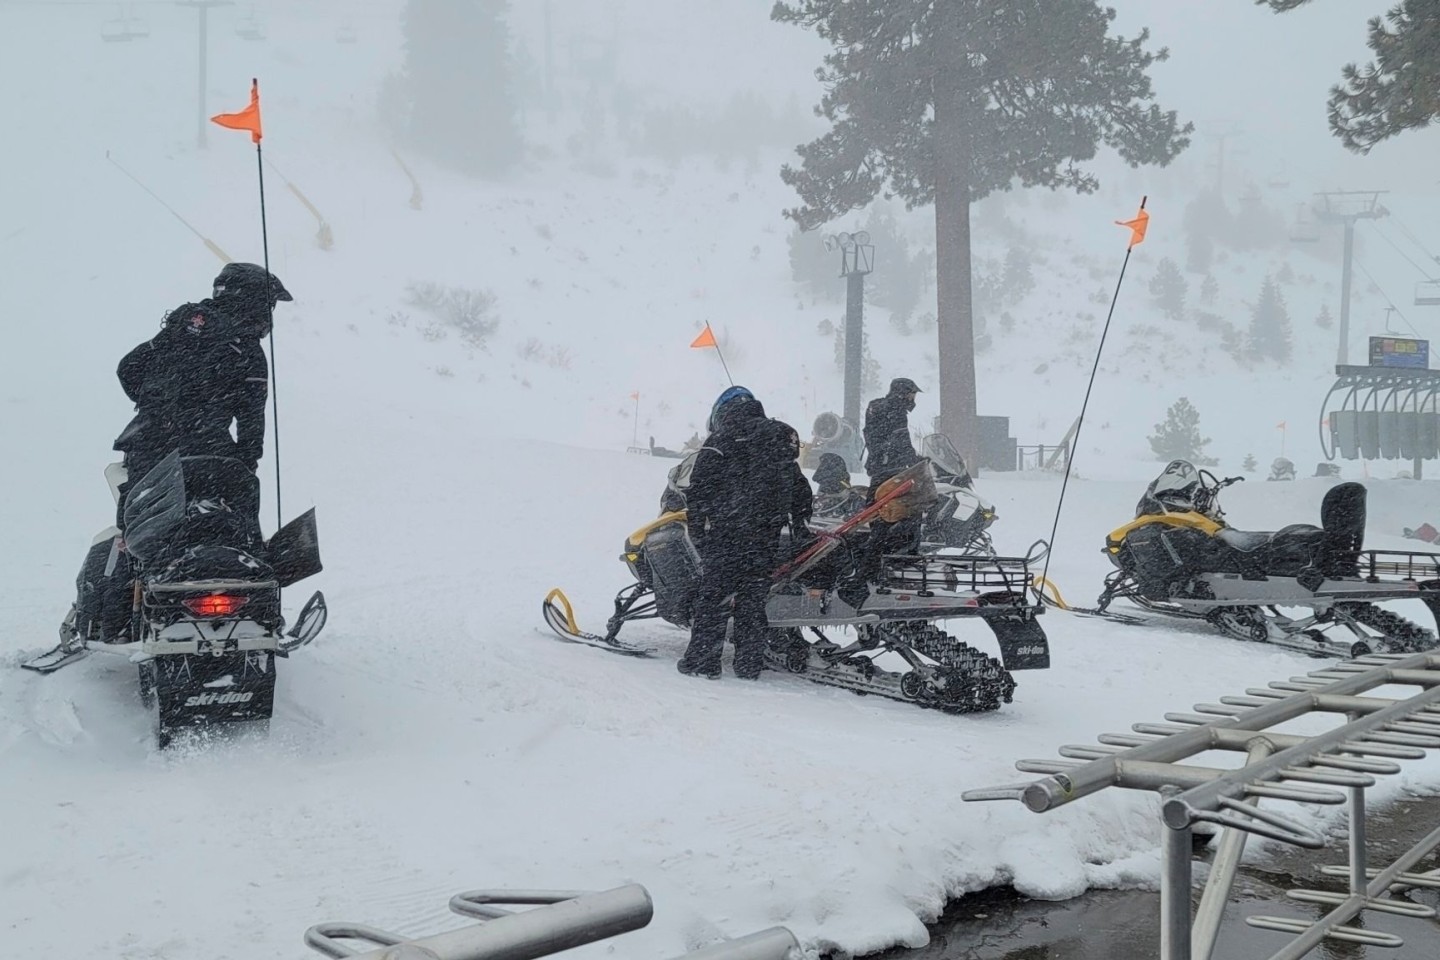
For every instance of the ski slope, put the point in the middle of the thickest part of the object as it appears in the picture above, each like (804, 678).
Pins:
(435, 739)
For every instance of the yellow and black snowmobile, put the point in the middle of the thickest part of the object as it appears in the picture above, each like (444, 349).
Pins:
(1179, 558)
(896, 614)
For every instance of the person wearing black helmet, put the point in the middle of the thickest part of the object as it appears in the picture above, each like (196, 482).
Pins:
(889, 449)
(741, 494)
(202, 372)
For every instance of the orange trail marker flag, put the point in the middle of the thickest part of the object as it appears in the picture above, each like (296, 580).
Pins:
(247, 119)
(707, 339)
(1137, 235)
(1138, 226)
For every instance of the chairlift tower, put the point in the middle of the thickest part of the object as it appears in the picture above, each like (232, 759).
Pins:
(203, 7)
(1348, 206)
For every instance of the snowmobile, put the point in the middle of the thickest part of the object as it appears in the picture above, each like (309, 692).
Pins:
(198, 594)
(1179, 558)
(960, 518)
(812, 596)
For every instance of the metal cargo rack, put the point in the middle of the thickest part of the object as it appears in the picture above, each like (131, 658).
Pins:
(1335, 767)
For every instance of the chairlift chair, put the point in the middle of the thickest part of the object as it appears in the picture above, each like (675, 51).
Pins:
(345, 33)
(249, 27)
(1427, 293)
(139, 27)
(117, 29)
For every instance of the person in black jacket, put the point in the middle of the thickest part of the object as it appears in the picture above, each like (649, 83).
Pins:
(889, 451)
(887, 433)
(742, 493)
(204, 371)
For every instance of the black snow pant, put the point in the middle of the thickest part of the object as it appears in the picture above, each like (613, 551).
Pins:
(734, 583)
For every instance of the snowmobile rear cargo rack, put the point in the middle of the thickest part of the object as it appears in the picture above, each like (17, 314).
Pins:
(1333, 767)
(1376, 565)
(561, 920)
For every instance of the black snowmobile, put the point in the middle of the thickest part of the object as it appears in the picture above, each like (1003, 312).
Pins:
(897, 613)
(191, 594)
(1178, 558)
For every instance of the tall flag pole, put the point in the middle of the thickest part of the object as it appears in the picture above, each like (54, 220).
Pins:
(249, 119)
(707, 339)
(1137, 227)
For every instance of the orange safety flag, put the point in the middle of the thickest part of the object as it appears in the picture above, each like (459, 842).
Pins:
(635, 396)
(1137, 228)
(706, 339)
(247, 119)
(1280, 425)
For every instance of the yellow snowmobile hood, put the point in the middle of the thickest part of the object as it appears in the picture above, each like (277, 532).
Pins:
(636, 540)
(1190, 520)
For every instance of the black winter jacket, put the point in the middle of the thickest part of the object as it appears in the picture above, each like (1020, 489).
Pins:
(745, 484)
(887, 439)
(190, 382)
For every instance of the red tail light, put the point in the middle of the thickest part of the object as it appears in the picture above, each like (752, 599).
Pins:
(215, 605)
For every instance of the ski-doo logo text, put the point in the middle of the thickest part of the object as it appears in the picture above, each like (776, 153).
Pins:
(206, 699)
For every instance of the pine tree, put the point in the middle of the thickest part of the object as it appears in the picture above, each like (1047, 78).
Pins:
(813, 268)
(1270, 325)
(948, 102)
(1019, 278)
(1209, 290)
(1199, 252)
(1324, 321)
(457, 84)
(900, 277)
(1168, 288)
(1249, 464)
(1400, 89)
(1178, 438)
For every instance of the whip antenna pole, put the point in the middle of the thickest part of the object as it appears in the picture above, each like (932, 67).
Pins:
(270, 305)
(1137, 227)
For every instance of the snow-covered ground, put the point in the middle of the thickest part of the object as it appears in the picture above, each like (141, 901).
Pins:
(435, 739)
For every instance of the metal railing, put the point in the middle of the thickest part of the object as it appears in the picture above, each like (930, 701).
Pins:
(1278, 766)
(560, 920)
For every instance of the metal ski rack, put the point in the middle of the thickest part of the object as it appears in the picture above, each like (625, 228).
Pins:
(562, 919)
(1328, 768)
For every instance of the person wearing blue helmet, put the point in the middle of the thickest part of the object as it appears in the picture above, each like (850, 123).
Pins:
(741, 495)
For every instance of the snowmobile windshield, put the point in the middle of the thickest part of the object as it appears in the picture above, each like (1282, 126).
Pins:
(191, 500)
(938, 449)
(1178, 489)
(154, 508)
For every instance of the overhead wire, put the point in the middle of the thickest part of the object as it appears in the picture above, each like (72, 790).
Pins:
(1386, 297)
(1396, 247)
(1413, 239)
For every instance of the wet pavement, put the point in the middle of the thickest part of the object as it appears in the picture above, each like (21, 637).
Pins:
(1124, 925)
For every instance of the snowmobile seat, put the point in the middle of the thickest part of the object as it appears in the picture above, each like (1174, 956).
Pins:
(1245, 541)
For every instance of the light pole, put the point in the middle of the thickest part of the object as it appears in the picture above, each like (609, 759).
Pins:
(203, 7)
(857, 258)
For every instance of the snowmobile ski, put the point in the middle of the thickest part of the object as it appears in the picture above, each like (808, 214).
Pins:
(53, 659)
(560, 617)
(67, 651)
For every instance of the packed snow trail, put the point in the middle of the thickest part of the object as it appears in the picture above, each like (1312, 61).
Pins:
(434, 741)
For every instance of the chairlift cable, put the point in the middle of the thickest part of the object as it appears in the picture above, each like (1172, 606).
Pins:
(1404, 319)
(1406, 257)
